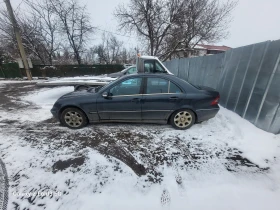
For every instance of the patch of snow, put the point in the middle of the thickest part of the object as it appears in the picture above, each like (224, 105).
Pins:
(258, 145)
(98, 185)
(46, 97)
(43, 99)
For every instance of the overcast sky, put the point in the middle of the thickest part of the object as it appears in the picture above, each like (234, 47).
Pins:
(253, 21)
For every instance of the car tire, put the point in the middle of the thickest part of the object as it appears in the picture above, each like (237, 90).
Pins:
(73, 118)
(182, 119)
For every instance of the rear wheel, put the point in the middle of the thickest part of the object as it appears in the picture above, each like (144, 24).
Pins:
(182, 119)
(73, 118)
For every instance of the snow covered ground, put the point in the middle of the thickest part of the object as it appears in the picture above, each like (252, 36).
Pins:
(224, 163)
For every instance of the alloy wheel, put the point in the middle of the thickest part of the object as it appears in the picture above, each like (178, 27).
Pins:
(73, 119)
(183, 119)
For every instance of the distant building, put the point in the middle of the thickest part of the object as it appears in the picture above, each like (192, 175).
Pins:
(200, 50)
(211, 49)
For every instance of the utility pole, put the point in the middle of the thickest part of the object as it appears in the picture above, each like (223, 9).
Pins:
(19, 40)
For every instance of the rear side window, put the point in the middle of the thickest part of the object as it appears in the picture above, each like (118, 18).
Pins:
(174, 88)
(157, 85)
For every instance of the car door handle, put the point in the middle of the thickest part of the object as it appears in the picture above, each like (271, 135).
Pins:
(136, 100)
(173, 98)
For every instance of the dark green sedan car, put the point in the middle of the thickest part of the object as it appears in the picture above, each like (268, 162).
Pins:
(146, 98)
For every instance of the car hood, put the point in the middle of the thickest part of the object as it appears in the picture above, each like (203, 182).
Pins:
(77, 94)
(116, 74)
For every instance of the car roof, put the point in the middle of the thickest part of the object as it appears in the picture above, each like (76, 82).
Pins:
(182, 83)
(162, 75)
(148, 57)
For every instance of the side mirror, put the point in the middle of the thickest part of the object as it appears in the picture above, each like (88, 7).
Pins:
(105, 95)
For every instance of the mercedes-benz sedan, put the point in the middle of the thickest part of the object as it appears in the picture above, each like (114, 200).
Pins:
(146, 98)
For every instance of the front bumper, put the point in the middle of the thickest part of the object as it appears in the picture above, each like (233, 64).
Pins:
(55, 112)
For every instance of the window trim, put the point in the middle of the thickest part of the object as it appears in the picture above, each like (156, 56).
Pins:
(176, 86)
(146, 86)
(140, 91)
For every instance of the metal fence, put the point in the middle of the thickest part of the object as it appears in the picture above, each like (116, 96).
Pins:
(248, 79)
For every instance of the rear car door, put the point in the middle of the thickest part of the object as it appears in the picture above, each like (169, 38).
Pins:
(123, 101)
(161, 97)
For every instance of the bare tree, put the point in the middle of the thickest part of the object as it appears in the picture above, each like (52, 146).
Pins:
(167, 25)
(8, 42)
(110, 50)
(38, 30)
(45, 25)
(75, 24)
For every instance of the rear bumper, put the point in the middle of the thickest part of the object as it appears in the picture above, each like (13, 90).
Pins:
(206, 114)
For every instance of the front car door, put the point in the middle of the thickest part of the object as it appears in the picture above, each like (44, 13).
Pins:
(161, 97)
(123, 102)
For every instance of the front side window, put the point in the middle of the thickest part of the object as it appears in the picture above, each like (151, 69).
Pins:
(127, 87)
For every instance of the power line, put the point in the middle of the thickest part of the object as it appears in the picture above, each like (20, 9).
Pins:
(113, 32)
(18, 6)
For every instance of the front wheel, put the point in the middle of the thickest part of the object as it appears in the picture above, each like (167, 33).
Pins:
(182, 119)
(73, 118)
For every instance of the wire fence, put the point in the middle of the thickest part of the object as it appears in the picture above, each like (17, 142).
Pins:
(248, 79)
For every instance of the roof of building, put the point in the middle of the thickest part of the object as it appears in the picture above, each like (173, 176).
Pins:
(212, 47)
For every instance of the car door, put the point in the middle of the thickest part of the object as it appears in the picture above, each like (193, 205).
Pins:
(123, 101)
(160, 98)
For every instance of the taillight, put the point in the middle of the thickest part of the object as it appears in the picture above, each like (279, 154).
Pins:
(216, 101)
